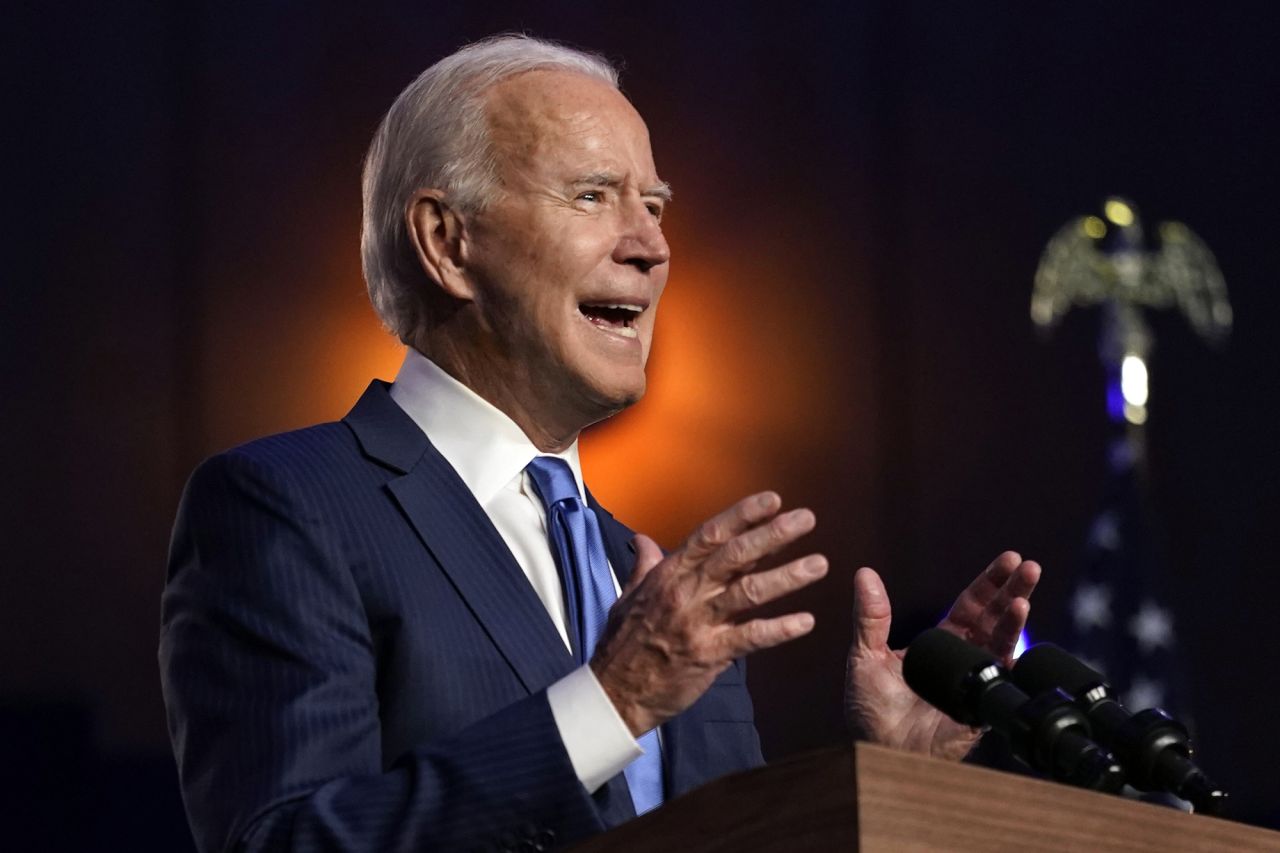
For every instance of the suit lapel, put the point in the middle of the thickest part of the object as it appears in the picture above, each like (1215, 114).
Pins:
(617, 542)
(462, 539)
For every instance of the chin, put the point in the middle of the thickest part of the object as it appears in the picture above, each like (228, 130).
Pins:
(613, 397)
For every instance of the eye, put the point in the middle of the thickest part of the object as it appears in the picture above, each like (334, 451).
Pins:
(591, 195)
(655, 210)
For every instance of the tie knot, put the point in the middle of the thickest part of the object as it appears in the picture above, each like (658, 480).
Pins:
(553, 479)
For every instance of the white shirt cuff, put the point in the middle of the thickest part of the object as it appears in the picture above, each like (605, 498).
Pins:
(598, 741)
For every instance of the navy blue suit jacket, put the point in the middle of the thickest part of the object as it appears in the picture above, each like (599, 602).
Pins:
(353, 660)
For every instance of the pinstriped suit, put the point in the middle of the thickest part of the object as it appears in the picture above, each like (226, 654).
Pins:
(353, 660)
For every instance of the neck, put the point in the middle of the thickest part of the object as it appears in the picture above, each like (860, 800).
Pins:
(518, 396)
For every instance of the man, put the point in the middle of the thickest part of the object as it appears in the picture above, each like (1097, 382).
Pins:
(389, 633)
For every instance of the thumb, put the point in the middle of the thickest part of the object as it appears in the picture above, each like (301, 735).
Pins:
(871, 611)
(648, 555)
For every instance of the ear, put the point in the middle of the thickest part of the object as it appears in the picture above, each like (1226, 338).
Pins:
(438, 234)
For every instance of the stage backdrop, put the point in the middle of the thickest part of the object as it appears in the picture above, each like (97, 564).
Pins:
(862, 193)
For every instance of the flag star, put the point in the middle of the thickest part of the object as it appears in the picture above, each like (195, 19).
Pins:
(1091, 606)
(1105, 532)
(1144, 693)
(1152, 627)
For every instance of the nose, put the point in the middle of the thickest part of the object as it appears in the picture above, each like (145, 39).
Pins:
(641, 243)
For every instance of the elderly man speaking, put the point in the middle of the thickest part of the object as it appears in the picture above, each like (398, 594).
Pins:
(415, 629)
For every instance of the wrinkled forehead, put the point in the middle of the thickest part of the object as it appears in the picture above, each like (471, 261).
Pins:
(550, 117)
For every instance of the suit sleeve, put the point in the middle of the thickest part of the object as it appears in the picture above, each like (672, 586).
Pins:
(270, 680)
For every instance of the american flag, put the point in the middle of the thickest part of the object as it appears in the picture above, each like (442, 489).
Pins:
(1121, 622)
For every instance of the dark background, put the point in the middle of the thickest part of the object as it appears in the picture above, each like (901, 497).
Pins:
(863, 191)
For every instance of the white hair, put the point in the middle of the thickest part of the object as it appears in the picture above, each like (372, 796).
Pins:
(436, 135)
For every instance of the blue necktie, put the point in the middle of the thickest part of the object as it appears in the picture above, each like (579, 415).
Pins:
(588, 593)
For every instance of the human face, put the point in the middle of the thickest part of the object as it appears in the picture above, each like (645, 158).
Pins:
(567, 261)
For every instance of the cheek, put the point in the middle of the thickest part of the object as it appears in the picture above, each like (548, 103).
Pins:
(582, 258)
(660, 285)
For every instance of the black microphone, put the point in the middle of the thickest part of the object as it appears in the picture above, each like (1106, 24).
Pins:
(1048, 732)
(1153, 748)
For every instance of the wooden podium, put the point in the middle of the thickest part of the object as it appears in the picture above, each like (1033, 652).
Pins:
(869, 798)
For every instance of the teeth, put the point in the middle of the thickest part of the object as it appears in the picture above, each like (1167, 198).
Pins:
(621, 327)
(633, 308)
(623, 330)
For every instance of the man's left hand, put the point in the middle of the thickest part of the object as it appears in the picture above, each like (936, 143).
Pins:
(879, 706)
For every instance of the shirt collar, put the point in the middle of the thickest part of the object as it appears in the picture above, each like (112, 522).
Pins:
(483, 444)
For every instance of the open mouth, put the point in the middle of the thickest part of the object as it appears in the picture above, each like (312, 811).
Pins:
(612, 317)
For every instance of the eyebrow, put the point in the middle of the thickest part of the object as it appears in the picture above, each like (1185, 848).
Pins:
(661, 190)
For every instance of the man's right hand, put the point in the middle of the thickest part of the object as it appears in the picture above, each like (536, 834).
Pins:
(679, 624)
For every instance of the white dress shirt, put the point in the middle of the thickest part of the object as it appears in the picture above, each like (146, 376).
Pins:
(490, 452)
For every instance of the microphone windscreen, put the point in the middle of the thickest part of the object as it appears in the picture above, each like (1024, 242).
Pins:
(1044, 666)
(937, 667)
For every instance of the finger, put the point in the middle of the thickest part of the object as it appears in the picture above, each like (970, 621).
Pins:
(741, 552)
(980, 624)
(1023, 581)
(1004, 637)
(871, 612)
(752, 590)
(973, 602)
(766, 633)
(719, 529)
(648, 555)
(1019, 584)
(988, 584)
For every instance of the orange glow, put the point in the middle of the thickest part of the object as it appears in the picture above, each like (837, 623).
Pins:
(351, 349)
(728, 401)
(750, 380)
(296, 345)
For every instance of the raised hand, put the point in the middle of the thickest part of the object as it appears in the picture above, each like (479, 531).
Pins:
(679, 623)
(993, 610)
(879, 706)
